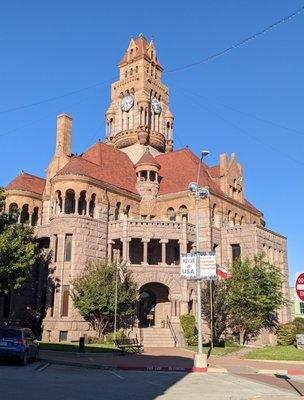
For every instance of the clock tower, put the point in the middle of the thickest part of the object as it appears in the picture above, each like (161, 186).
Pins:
(139, 114)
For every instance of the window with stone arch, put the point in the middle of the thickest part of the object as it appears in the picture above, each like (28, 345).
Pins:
(117, 211)
(92, 205)
(58, 203)
(82, 203)
(171, 215)
(14, 211)
(25, 216)
(35, 216)
(183, 212)
(136, 69)
(69, 202)
(127, 211)
(213, 214)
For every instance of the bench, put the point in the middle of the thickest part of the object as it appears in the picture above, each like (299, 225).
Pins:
(128, 344)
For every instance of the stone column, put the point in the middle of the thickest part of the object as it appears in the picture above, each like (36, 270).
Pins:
(164, 255)
(125, 249)
(63, 205)
(145, 252)
(110, 243)
(76, 204)
(88, 208)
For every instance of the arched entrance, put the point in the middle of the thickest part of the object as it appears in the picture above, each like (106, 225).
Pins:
(154, 305)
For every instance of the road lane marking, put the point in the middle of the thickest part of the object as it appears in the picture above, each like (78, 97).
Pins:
(116, 374)
(43, 367)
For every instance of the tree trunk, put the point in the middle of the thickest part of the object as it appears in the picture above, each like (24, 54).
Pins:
(242, 336)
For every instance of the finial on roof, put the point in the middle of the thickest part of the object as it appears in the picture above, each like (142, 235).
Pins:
(22, 171)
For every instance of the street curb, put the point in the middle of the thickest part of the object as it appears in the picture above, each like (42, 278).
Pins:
(151, 368)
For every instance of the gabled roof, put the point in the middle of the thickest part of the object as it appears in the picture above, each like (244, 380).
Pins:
(179, 168)
(103, 163)
(28, 183)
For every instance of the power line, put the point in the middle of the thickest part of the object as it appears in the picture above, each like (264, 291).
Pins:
(245, 113)
(248, 134)
(240, 43)
(54, 98)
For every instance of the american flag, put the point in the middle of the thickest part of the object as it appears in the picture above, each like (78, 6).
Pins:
(121, 274)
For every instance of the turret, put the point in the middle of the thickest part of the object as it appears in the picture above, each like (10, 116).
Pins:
(147, 169)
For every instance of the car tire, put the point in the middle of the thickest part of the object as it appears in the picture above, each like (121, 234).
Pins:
(24, 359)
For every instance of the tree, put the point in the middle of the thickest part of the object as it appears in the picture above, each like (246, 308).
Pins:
(93, 295)
(249, 300)
(18, 253)
(219, 307)
(18, 250)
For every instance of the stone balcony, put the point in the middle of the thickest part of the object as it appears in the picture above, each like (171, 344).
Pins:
(151, 229)
(150, 242)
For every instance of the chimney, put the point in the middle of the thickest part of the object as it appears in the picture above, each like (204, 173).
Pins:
(223, 164)
(63, 135)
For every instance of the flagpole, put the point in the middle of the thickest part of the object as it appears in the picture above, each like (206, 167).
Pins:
(211, 314)
(116, 293)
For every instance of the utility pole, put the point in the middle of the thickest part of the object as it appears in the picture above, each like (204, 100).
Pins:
(200, 359)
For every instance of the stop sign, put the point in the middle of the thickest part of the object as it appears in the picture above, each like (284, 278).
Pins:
(300, 286)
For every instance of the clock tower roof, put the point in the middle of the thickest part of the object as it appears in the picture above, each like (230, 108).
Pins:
(138, 48)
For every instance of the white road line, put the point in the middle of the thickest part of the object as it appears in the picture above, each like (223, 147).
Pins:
(43, 367)
(116, 374)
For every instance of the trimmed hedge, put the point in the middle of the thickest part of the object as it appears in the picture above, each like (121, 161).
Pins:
(286, 334)
(299, 324)
(188, 325)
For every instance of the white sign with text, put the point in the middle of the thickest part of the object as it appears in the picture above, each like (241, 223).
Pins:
(207, 265)
(188, 266)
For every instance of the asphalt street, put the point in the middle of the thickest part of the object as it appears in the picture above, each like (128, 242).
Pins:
(43, 381)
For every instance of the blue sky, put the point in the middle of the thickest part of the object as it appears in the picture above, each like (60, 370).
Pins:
(249, 101)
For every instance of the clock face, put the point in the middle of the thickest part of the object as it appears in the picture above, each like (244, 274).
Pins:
(155, 105)
(127, 103)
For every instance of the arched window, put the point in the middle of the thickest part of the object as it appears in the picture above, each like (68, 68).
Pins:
(58, 203)
(117, 211)
(82, 203)
(127, 212)
(213, 212)
(131, 53)
(136, 69)
(131, 71)
(35, 216)
(242, 220)
(171, 214)
(13, 209)
(92, 205)
(24, 216)
(183, 211)
(69, 202)
(126, 74)
(235, 219)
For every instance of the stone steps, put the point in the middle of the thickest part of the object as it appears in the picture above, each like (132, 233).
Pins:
(157, 337)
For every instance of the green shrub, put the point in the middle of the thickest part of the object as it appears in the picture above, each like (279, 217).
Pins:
(193, 340)
(188, 324)
(230, 341)
(119, 336)
(286, 334)
(299, 323)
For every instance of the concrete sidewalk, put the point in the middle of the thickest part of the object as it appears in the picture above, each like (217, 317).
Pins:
(168, 359)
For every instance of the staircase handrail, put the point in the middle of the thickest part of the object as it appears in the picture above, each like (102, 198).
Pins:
(169, 324)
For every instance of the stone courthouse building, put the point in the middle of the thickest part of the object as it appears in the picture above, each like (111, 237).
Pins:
(130, 193)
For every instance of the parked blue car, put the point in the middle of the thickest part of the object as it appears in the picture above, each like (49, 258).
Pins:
(18, 343)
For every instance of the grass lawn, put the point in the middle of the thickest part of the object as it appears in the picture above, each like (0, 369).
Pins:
(218, 351)
(67, 346)
(288, 353)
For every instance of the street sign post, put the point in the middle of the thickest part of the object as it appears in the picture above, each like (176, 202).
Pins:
(300, 286)
(207, 265)
(188, 266)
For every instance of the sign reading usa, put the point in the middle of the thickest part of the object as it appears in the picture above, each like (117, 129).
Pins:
(188, 266)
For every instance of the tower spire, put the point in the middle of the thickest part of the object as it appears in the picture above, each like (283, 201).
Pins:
(139, 112)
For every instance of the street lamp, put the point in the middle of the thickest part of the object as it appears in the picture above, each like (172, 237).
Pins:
(200, 359)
